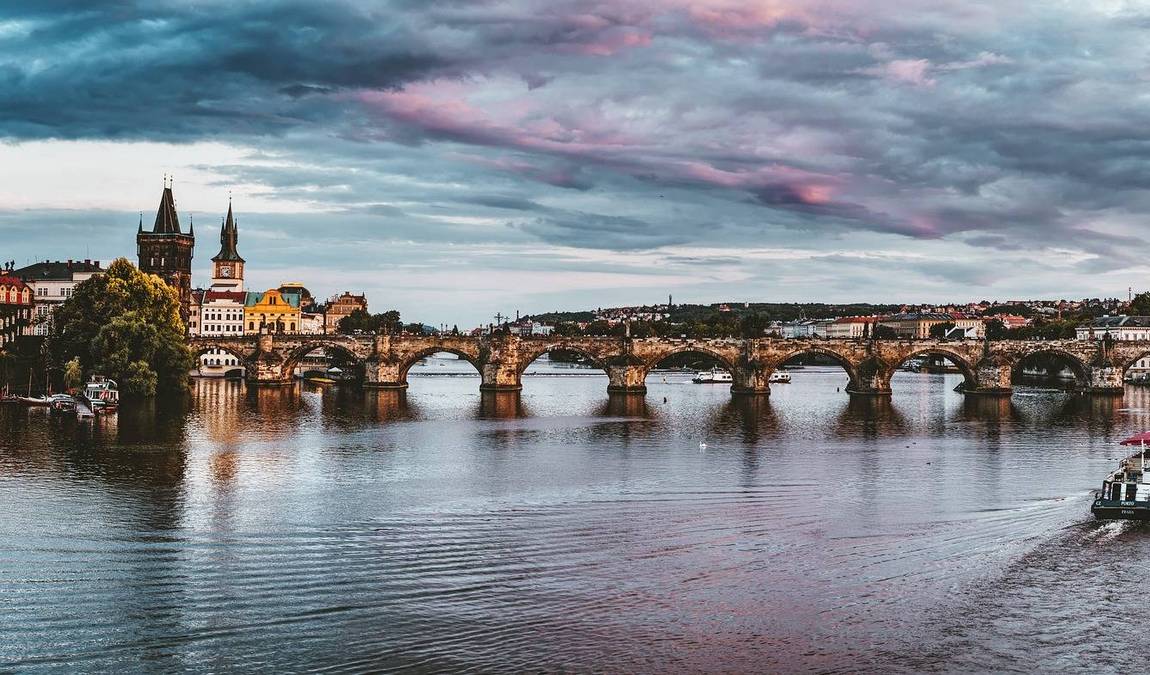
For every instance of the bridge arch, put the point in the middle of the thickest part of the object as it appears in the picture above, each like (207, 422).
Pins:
(1077, 366)
(527, 358)
(969, 372)
(415, 357)
(200, 348)
(844, 361)
(1141, 359)
(292, 358)
(664, 354)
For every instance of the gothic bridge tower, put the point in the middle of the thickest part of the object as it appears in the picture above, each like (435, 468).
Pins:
(166, 251)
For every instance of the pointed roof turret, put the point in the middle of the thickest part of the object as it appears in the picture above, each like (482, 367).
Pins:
(167, 221)
(229, 237)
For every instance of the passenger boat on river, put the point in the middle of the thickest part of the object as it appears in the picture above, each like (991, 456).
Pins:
(101, 395)
(1126, 491)
(712, 376)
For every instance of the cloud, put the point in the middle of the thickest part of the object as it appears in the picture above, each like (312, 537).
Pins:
(946, 127)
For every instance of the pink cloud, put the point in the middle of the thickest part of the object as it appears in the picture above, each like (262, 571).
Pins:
(466, 113)
(907, 71)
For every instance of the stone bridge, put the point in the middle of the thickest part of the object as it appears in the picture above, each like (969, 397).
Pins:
(988, 367)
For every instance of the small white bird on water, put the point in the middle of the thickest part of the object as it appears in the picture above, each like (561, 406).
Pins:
(702, 445)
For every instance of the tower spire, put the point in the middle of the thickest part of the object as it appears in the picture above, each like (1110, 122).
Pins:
(229, 237)
(167, 220)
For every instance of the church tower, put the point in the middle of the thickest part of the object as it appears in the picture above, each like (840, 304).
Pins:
(166, 251)
(227, 265)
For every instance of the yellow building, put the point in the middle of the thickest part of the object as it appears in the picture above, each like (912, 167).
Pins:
(271, 312)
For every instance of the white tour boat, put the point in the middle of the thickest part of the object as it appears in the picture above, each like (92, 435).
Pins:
(101, 394)
(712, 376)
(779, 378)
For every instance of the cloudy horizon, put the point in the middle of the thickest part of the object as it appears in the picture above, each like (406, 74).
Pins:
(456, 159)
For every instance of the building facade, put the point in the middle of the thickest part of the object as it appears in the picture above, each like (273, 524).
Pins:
(850, 327)
(1120, 327)
(166, 250)
(917, 325)
(271, 312)
(53, 282)
(16, 303)
(340, 307)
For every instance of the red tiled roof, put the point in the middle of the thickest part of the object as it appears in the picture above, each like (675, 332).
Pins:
(236, 296)
(8, 280)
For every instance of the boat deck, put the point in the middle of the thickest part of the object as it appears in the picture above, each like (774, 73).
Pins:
(1134, 462)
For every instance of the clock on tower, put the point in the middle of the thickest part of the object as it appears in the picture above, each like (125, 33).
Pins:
(225, 271)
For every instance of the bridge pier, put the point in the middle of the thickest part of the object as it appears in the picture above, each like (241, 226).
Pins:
(500, 376)
(750, 380)
(626, 378)
(1105, 379)
(266, 369)
(871, 378)
(991, 378)
(383, 375)
(500, 367)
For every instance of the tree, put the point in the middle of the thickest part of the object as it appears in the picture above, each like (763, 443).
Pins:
(127, 325)
(939, 330)
(389, 322)
(754, 325)
(1140, 305)
(359, 320)
(996, 330)
(884, 332)
(73, 373)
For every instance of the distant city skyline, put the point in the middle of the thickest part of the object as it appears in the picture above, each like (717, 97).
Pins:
(454, 160)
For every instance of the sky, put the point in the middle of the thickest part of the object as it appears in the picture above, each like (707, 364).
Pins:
(454, 159)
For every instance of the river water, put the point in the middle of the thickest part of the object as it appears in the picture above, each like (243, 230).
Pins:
(444, 530)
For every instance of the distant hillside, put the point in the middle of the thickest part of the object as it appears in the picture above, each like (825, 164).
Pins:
(562, 317)
(774, 311)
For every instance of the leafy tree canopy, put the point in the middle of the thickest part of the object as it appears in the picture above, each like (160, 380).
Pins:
(1140, 305)
(126, 325)
(359, 320)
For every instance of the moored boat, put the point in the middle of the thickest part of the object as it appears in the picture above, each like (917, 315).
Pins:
(35, 401)
(101, 395)
(779, 378)
(1125, 492)
(62, 403)
(712, 376)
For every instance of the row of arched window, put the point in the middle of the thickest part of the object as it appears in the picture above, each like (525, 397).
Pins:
(15, 295)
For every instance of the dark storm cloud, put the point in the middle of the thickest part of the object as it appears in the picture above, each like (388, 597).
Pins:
(181, 71)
